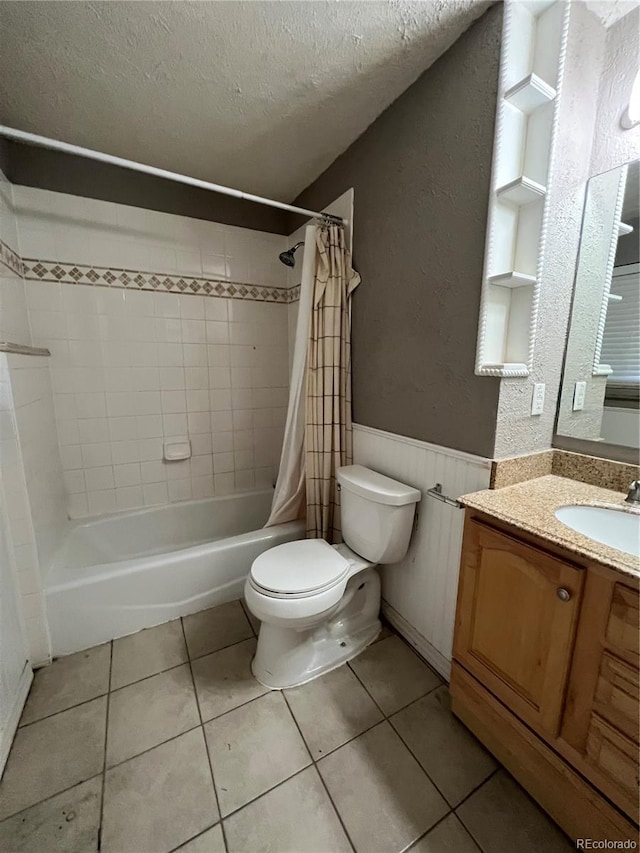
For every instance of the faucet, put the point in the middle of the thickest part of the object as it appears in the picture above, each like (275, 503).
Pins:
(634, 493)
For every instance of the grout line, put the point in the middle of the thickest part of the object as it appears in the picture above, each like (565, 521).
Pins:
(413, 701)
(246, 613)
(431, 828)
(477, 788)
(51, 796)
(314, 765)
(62, 711)
(202, 832)
(204, 737)
(268, 791)
(222, 648)
(104, 757)
(160, 743)
(469, 795)
(336, 748)
(387, 719)
(147, 677)
(235, 708)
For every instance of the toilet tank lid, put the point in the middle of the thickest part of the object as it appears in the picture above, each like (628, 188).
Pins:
(376, 487)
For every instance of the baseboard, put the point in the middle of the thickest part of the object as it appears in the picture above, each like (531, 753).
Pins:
(14, 717)
(424, 648)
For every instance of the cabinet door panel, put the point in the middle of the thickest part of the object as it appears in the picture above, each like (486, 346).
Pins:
(514, 632)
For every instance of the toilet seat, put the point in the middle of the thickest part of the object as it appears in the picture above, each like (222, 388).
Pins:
(298, 569)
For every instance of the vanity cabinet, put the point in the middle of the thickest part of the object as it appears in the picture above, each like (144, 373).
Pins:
(545, 673)
(516, 622)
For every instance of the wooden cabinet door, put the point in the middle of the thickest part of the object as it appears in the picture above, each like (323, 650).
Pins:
(515, 623)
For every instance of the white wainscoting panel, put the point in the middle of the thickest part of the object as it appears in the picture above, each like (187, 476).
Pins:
(419, 593)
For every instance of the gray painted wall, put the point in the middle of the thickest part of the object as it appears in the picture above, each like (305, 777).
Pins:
(66, 173)
(421, 174)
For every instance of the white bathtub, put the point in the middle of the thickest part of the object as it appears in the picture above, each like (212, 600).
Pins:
(121, 573)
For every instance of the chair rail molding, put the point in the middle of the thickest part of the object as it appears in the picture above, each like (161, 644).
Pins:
(534, 41)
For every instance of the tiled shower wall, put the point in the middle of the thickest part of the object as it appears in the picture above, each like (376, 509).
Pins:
(133, 368)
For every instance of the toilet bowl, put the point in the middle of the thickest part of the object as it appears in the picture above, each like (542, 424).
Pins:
(318, 604)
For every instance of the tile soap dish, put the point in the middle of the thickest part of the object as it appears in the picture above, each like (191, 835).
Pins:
(176, 451)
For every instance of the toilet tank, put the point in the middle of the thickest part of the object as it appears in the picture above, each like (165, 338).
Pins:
(377, 513)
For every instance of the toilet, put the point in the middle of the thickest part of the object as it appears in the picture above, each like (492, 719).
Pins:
(319, 603)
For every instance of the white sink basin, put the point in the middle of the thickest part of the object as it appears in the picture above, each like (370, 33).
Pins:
(613, 527)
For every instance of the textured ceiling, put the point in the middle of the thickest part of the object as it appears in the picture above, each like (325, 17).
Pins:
(262, 96)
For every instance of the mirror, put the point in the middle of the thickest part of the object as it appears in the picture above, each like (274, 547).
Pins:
(599, 398)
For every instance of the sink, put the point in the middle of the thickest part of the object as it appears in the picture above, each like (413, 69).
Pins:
(611, 526)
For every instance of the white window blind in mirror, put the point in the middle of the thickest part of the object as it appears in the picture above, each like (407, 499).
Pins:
(621, 340)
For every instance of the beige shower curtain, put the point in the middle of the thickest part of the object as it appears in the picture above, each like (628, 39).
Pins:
(328, 434)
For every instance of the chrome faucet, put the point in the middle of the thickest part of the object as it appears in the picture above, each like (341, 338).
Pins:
(634, 493)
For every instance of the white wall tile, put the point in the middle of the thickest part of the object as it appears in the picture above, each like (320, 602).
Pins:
(131, 368)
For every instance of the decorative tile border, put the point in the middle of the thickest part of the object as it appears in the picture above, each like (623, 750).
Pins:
(130, 279)
(10, 259)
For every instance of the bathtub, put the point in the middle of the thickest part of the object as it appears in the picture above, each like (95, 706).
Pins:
(120, 573)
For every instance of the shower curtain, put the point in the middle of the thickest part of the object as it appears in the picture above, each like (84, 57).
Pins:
(328, 433)
(288, 499)
(318, 433)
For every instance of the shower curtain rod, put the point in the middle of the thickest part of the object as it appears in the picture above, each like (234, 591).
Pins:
(67, 148)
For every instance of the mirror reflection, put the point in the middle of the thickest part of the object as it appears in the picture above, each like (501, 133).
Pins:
(601, 383)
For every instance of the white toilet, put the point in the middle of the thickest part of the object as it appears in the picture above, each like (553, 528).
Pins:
(319, 603)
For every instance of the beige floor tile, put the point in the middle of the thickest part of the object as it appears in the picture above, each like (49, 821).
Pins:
(214, 629)
(295, 817)
(393, 674)
(383, 796)
(68, 681)
(160, 799)
(147, 652)
(149, 712)
(332, 710)
(500, 816)
(224, 680)
(211, 841)
(53, 754)
(252, 749)
(66, 823)
(447, 750)
(449, 836)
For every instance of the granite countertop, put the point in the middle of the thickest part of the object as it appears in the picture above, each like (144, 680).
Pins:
(531, 506)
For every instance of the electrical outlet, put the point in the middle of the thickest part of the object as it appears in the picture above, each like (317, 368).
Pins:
(578, 396)
(537, 401)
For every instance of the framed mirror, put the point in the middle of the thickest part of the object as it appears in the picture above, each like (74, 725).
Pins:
(598, 410)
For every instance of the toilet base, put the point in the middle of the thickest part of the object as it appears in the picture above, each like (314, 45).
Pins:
(287, 657)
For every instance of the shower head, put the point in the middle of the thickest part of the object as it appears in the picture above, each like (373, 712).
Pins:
(288, 257)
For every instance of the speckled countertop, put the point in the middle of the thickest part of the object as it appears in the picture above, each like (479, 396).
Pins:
(531, 506)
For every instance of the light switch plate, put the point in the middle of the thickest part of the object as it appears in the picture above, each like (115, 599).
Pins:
(537, 401)
(578, 396)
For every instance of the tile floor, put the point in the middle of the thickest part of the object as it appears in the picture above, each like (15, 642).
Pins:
(163, 741)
